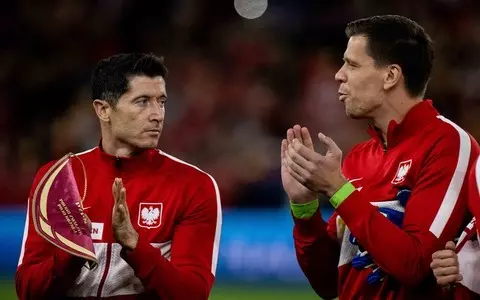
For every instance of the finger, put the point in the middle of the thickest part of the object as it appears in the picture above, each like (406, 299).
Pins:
(297, 133)
(290, 135)
(308, 154)
(114, 190)
(294, 174)
(301, 173)
(438, 272)
(121, 212)
(450, 246)
(307, 139)
(444, 280)
(330, 144)
(123, 196)
(283, 149)
(444, 254)
(298, 159)
(123, 200)
(444, 263)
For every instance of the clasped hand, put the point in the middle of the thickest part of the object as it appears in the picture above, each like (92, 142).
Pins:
(123, 230)
(318, 173)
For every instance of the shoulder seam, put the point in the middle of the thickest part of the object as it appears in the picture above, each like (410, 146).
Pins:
(180, 161)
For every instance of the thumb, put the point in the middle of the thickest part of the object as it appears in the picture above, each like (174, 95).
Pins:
(330, 144)
(450, 245)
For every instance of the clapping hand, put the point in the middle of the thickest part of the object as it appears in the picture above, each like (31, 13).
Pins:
(123, 230)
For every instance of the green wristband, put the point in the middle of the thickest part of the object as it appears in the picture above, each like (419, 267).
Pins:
(346, 190)
(304, 210)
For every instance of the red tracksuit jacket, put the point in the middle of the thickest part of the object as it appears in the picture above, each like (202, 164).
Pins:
(427, 154)
(468, 247)
(175, 208)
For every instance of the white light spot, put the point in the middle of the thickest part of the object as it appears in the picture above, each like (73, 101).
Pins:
(250, 9)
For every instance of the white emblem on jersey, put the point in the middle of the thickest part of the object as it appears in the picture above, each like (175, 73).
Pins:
(150, 215)
(403, 168)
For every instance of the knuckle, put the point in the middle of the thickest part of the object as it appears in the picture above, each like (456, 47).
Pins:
(294, 157)
(296, 146)
(308, 178)
(311, 168)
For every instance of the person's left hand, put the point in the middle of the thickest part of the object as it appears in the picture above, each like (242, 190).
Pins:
(445, 265)
(320, 173)
(123, 230)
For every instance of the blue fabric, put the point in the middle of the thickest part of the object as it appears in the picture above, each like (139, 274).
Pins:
(363, 260)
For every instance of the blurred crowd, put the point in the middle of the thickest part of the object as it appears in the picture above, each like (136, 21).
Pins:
(235, 85)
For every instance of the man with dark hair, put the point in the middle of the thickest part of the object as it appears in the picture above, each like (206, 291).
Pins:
(155, 219)
(399, 196)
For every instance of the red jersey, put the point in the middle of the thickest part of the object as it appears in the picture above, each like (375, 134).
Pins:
(468, 247)
(426, 154)
(174, 207)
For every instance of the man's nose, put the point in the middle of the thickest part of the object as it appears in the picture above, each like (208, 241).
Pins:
(157, 113)
(340, 76)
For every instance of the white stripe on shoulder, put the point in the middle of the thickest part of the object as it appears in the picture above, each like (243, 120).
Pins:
(86, 151)
(25, 235)
(455, 187)
(477, 176)
(218, 229)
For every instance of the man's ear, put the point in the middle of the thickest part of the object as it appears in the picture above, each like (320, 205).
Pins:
(392, 77)
(102, 109)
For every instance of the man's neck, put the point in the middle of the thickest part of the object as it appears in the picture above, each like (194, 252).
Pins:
(115, 148)
(393, 111)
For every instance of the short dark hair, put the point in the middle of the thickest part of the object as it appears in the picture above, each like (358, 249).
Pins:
(393, 39)
(111, 76)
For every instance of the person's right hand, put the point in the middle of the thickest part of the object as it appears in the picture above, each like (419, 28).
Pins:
(445, 265)
(297, 192)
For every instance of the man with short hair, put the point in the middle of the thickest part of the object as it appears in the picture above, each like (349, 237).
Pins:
(155, 219)
(399, 196)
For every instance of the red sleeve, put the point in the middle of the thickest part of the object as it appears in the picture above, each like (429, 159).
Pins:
(44, 271)
(318, 250)
(318, 253)
(191, 272)
(433, 214)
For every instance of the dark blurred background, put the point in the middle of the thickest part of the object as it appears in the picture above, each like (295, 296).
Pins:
(235, 85)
